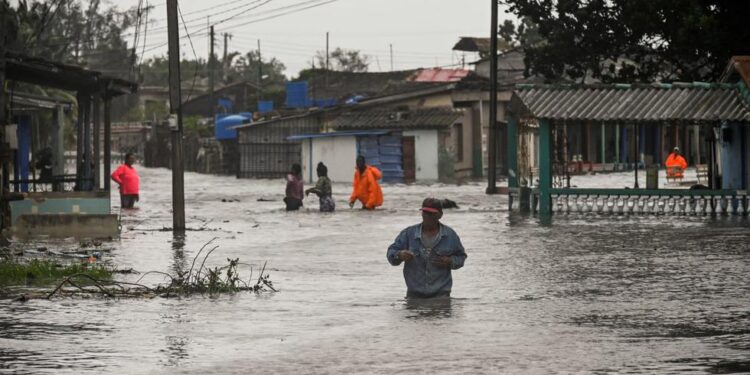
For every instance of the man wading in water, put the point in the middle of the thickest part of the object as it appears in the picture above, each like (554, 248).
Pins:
(430, 251)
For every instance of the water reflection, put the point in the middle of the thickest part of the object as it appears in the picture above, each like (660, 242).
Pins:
(429, 308)
(178, 253)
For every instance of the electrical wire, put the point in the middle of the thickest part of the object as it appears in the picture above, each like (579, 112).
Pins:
(195, 74)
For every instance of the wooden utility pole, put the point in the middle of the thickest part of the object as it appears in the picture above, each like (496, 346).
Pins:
(260, 73)
(224, 62)
(492, 146)
(327, 66)
(175, 110)
(391, 48)
(211, 68)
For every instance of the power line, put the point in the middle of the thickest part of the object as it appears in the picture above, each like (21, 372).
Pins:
(195, 74)
(163, 29)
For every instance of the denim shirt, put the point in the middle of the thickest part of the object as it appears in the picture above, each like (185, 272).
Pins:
(422, 277)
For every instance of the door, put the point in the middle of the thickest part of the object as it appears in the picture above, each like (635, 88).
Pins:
(409, 161)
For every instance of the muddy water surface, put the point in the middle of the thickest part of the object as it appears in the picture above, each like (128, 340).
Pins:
(588, 294)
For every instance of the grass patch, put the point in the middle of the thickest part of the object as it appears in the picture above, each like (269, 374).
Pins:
(46, 272)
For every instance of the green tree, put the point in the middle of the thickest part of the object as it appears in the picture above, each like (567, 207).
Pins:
(68, 32)
(633, 40)
(344, 60)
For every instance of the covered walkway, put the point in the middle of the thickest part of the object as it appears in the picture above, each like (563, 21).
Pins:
(708, 120)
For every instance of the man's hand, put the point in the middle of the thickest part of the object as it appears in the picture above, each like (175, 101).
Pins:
(443, 262)
(405, 255)
(351, 204)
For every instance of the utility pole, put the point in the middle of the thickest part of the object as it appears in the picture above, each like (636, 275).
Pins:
(175, 110)
(492, 147)
(327, 67)
(224, 62)
(391, 47)
(211, 69)
(260, 73)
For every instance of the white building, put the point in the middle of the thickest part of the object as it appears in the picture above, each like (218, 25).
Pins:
(405, 145)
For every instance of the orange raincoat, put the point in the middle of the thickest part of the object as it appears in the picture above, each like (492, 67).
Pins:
(676, 165)
(365, 188)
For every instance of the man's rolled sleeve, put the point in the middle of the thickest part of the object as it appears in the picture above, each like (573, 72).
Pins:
(401, 243)
(459, 256)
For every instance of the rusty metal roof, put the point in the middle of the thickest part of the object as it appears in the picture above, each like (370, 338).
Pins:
(439, 75)
(426, 118)
(698, 102)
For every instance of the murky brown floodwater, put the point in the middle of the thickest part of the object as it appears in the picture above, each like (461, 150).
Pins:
(587, 295)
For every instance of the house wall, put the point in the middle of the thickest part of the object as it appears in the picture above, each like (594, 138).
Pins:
(337, 153)
(426, 153)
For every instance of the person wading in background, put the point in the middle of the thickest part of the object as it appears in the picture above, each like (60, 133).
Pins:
(126, 176)
(430, 251)
(323, 189)
(294, 188)
(365, 187)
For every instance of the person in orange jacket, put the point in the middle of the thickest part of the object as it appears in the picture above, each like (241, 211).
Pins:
(676, 164)
(365, 187)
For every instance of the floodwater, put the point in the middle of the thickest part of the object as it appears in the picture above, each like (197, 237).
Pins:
(589, 294)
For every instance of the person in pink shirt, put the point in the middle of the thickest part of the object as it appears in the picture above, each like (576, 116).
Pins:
(126, 176)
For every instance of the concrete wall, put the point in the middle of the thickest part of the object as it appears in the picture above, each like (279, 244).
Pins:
(337, 153)
(426, 153)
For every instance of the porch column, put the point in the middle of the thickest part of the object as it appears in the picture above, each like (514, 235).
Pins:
(97, 126)
(617, 144)
(604, 146)
(4, 162)
(545, 167)
(58, 146)
(80, 121)
(512, 150)
(107, 142)
(87, 151)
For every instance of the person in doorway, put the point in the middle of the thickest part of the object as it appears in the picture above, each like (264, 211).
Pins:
(323, 189)
(430, 250)
(675, 164)
(365, 187)
(126, 176)
(294, 188)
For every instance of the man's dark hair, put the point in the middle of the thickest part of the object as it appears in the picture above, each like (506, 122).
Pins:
(129, 154)
(322, 169)
(296, 169)
(360, 157)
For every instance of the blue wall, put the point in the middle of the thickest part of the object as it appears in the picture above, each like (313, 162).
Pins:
(732, 157)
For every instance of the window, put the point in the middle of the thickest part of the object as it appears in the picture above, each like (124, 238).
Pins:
(458, 136)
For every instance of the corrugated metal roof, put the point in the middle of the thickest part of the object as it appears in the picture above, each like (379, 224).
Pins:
(658, 102)
(351, 133)
(428, 118)
(439, 75)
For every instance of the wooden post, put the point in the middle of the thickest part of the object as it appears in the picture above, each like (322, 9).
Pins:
(97, 139)
(4, 151)
(87, 157)
(512, 149)
(492, 141)
(211, 68)
(81, 98)
(636, 130)
(107, 142)
(175, 109)
(545, 167)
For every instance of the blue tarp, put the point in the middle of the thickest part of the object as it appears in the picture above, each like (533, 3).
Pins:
(223, 123)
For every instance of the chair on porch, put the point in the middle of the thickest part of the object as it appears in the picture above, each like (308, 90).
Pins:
(701, 172)
(675, 174)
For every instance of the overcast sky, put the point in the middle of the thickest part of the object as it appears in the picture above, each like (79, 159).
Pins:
(422, 32)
